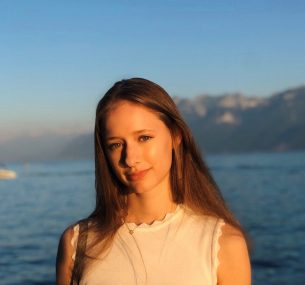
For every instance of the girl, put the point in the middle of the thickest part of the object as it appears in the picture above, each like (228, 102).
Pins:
(159, 216)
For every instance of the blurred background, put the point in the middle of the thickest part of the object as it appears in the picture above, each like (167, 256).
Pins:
(234, 68)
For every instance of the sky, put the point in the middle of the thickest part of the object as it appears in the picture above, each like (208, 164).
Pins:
(58, 58)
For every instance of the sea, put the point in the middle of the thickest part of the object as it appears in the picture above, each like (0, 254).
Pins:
(266, 191)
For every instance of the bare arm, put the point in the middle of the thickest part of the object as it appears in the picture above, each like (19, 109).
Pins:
(64, 262)
(234, 267)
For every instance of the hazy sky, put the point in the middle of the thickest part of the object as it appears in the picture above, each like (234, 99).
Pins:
(57, 58)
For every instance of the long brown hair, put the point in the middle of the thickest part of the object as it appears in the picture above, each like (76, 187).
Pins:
(191, 181)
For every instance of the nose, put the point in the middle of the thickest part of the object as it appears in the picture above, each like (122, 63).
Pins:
(131, 155)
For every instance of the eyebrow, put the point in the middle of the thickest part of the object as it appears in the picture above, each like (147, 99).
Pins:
(135, 133)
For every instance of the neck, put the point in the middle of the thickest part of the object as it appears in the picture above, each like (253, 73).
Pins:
(149, 207)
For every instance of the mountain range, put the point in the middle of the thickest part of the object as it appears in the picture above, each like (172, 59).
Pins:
(237, 123)
(228, 123)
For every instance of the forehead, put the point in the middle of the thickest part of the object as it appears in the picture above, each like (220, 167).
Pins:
(127, 117)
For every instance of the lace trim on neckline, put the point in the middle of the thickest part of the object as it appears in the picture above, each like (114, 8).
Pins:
(167, 217)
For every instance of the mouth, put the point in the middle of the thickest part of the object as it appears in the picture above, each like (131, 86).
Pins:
(137, 175)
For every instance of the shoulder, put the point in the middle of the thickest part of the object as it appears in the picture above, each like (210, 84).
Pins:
(234, 264)
(66, 241)
(65, 252)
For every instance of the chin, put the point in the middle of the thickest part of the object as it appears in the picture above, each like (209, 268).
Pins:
(139, 189)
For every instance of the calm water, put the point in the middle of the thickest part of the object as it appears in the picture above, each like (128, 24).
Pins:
(266, 191)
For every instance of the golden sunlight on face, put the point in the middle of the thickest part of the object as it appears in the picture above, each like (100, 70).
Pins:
(139, 147)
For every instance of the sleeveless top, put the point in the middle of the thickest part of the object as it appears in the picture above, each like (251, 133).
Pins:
(181, 249)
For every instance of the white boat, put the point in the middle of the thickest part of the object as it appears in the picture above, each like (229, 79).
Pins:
(7, 173)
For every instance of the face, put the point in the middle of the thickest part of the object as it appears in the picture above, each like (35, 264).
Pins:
(139, 147)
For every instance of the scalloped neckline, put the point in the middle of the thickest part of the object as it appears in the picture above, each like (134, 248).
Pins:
(166, 218)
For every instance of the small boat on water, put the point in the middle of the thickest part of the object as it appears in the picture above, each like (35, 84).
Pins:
(7, 173)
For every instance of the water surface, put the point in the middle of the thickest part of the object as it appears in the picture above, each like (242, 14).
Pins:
(265, 190)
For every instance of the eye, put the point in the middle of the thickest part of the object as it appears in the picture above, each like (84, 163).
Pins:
(114, 146)
(144, 138)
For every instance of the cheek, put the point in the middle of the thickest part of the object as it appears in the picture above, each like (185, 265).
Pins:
(114, 162)
(161, 154)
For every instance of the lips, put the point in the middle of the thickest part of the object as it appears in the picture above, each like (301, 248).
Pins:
(137, 175)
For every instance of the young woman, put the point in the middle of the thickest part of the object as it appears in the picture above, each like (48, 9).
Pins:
(159, 216)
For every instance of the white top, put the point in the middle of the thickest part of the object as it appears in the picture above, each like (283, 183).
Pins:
(179, 250)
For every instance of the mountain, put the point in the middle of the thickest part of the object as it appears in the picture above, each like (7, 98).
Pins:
(236, 123)
(224, 123)
(37, 148)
